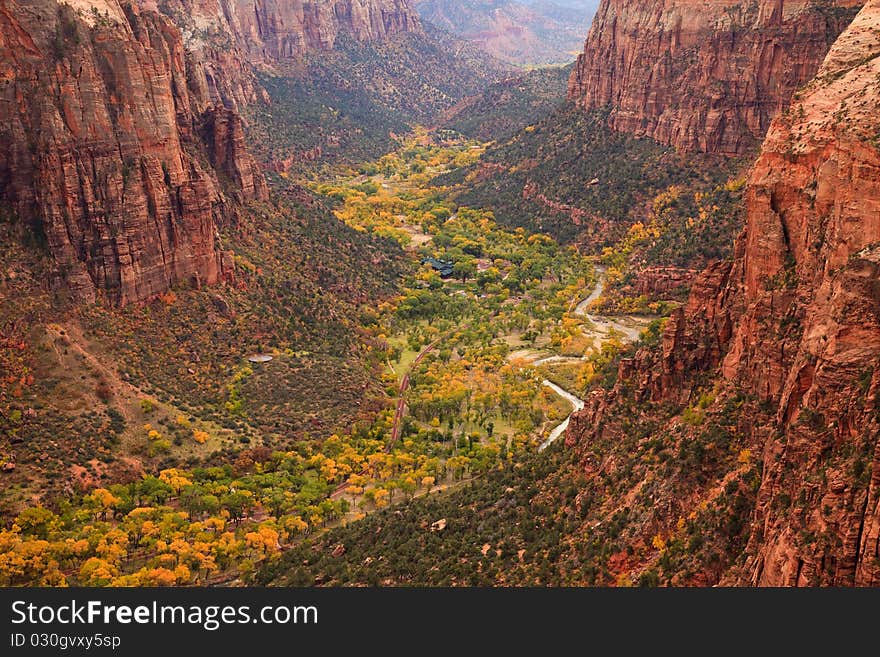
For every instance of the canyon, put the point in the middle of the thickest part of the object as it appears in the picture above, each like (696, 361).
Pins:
(122, 141)
(726, 436)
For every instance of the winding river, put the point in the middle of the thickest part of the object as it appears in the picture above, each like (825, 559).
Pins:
(576, 405)
(630, 328)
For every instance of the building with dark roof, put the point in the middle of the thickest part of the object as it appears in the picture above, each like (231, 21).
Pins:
(443, 267)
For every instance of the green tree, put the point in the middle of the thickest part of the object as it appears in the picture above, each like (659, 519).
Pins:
(464, 269)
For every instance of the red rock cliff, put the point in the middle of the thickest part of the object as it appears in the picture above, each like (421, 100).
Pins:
(219, 68)
(793, 323)
(286, 29)
(811, 257)
(102, 121)
(702, 76)
(226, 38)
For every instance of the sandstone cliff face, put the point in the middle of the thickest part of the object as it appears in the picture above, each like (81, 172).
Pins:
(703, 76)
(225, 39)
(811, 257)
(793, 323)
(101, 124)
(287, 29)
(219, 68)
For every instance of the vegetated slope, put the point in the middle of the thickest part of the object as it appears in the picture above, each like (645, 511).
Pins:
(126, 183)
(490, 532)
(682, 230)
(158, 206)
(548, 521)
(703, 76)
(346, 105)
(515, 32)
(469, 410)
(87, 379)
(742, 447)
(510, 105)
(654, 72)
(572, 177)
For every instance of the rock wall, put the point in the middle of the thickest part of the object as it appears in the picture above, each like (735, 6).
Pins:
(102, 116)
(659, 281)
(278, 30)
(703, 76)
(794, 323)
(116, 118)
(811, 260)
(228, 38)
(220, 68)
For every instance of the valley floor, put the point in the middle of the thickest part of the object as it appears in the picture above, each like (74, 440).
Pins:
(481, 368)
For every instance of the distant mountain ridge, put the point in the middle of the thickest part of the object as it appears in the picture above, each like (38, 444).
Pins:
(518, 32)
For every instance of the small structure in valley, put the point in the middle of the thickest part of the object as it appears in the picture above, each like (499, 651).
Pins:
(260, 358)
(443, 267)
